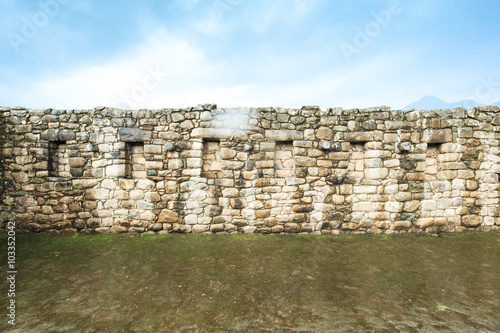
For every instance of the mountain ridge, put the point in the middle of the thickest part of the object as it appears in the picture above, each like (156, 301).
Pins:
(433, 102)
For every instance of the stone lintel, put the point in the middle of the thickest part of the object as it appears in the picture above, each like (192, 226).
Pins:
(58, 135)
(133, 135)
(212, 133)
(283, 135)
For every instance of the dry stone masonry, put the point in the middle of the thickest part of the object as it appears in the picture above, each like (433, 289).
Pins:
(250, 170)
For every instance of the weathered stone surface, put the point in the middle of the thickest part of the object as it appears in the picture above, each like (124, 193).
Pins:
(118, 229)
(496, 121)
(424, 222)
(304, 161)
(20, 177)
(227, 153)
(471, 221)
(211, 133)
(199, 170)
(84, 183)
(376, 173)
(401, 225)
(437, 135)
(358, 136)
(283, 135)
(181, 228)
(152, 149)
(217, 227)
(76, 172)
(168, 216)
(58, 135)
(199, 229)
(324, 133)
(77, 162)
(186, 125)
(292, 227)
(116, 170)
(191, 219)
(134, 135)
(213, 210)
(97, 194)
(249, 230)
(145, 184)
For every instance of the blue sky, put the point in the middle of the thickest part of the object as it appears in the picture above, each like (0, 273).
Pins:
(289, 53)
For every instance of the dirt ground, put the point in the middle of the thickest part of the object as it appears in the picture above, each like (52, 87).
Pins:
(200, 283)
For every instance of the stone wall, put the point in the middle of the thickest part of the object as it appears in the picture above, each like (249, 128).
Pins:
(247, 170)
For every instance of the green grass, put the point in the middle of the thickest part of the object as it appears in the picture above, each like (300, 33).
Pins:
(200, 283)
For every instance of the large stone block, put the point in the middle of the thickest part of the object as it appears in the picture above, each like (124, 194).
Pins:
(97, 194)
(394, 206)
(199, 229)
(84, 183)
(77, 162)
(292, 227)
(168, 216)
(496, 121)
(283, 135)
(152, 149)
(227, 153)
(437, 135)
(428, 205)
(134, 135)
(424, 222)
(20, 177)
(154, 165)
(191, 219)
(116, 170)
(376, 173)
(181, 228)
(211, 133)
(401, 225)
(58, 135)
(324, 133)
(174, 164)
(471, 221)
(145, 184)
(186, 125)
(364, 206)
(305, 161)
(358, 136)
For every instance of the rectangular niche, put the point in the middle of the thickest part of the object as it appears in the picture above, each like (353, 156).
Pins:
(135, 166)
(284, 161)
(212, 160)
(356, 168)
(58, 165)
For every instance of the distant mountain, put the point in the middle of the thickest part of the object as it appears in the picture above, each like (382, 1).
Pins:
(497, 104)
(433, 102)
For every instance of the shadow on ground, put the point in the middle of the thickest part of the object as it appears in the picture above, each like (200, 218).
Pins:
(199, 283)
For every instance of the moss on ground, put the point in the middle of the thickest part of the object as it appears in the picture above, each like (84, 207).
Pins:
(200, 283)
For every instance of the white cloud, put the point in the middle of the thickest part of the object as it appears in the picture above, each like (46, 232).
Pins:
(163, 66)
(167, 71)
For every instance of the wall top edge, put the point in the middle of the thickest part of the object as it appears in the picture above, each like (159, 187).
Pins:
(213, 107)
